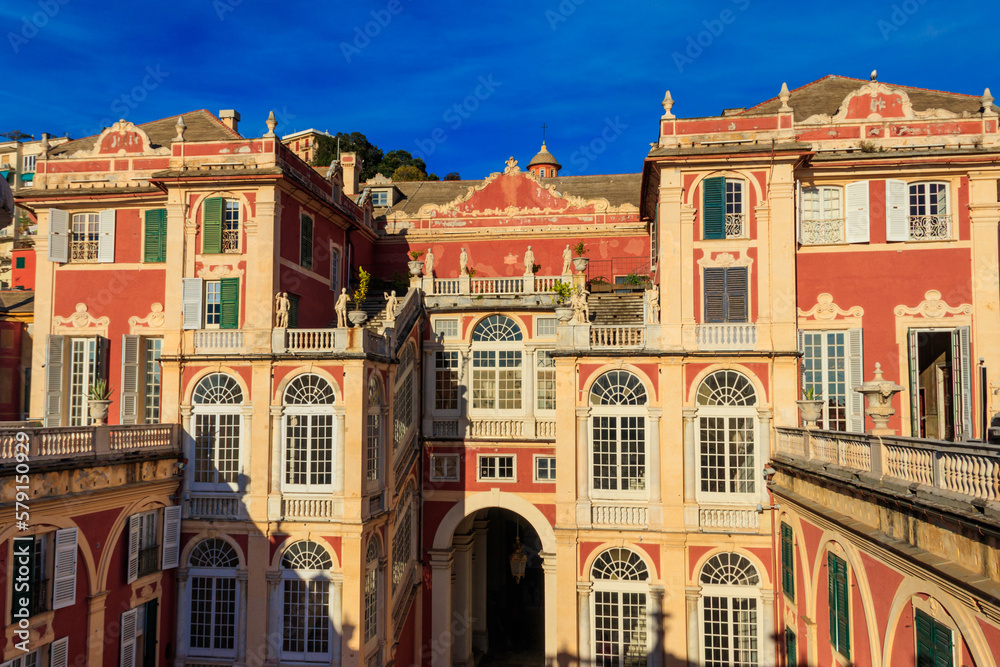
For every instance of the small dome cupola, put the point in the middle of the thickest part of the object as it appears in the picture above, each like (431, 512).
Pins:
(544, 165)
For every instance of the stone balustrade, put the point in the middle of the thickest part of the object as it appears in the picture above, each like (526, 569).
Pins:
(86, 442)
(726, 336)
(728, 519)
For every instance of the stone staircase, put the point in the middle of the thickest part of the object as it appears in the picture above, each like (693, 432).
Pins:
(375, 307)
(614, 308)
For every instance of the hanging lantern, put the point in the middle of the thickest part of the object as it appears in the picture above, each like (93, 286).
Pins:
(518, 561)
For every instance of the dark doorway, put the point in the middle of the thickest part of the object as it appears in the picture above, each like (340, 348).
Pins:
(935, 385)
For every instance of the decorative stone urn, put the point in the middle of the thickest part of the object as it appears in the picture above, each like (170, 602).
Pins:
(416, 267)
(580, 263)
(810, 410)
(564, 313)
(357, 317)
(879, 393)
(99, 411)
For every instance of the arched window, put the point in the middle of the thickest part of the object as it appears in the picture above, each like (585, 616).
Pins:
(618, 435)
(731, 612)
(373, 595)
(621, 584)
(308, 432)
(402, 540)
(402, 407)
(727, 438)
(497, 351)
(214, 599)
(373, 435)
(305, 602)
(218, 429)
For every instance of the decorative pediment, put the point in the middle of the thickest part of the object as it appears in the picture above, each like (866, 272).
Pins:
(154, 320)
(876, 101)
(219, 272)
(826, 309)
(81, 319)
(122, 138)
(934, 306)
(724, 260)
(380, 179)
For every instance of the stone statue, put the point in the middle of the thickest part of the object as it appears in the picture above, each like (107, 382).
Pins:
(653, 304)
(567, 261)
(391, 302)
(463, 263)
(283, 306)
(581, 310)
(341, 307)
(429, 264)
(529, 262)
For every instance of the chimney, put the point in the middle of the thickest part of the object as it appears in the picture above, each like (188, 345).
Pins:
(231, 119)
(352, 165)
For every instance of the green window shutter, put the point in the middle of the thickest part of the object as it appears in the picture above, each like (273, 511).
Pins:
(293, 311)
(840, 635)
(787, 561)
(211, 226)
(934, 642)
(155, 236)
(715, 295)
(791, 649)
(306, 242)
(713, 211)
(230, 303)
(831, 568)
(736, 294)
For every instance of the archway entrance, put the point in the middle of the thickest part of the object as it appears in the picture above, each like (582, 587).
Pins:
(480, 614)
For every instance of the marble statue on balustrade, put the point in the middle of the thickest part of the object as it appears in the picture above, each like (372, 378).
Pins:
(391, 303)
(463, 263)
(282, 306)
(653, 305)
(567, 261)
(581, 309)
(429, 264)
(529, 262)
(341, 307)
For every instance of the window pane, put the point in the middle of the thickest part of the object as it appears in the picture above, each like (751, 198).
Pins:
(151, 396)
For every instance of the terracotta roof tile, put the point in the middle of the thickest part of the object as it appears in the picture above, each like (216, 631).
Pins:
(202, 125)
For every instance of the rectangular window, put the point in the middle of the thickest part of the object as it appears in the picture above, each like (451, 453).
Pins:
(496, 468)
(380, 198)
(446, 380)
(839, 611)
(446, 329)
(155, 236)
(722, 208)
(231, 226)
(545, 468)
(148, 547)
(831, 366)
(496, 379)
(929, 218)
(821, 215)
(29, 164)
(306, 242)
(545, 380)
(619, 453)
(213, 304)
(444, 468)
(791, 649)
(727, 460)
(787, 561)
(545, 327)
(151, 397)
(83, 373)
(85, 237)
(335, 270)
(19, 263)
(934, 641)
(726, 295)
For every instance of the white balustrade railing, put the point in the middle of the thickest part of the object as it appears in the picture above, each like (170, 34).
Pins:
(307, 508)
(618, 515)
(728, 518)
(445, 428)
(213, 507)
(310, 340)
(85, 441)
(963, 469)
(497, 428)
(545, 429)
(617, 335)
(447, 286)
(497, 285)
(141, 437)
(728, 336)
(546, 283)
(217, 340)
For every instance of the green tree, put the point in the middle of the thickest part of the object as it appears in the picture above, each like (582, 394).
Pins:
(355, 142)
(408, 172)
(15, 135)
(453, 176)
(393, 160)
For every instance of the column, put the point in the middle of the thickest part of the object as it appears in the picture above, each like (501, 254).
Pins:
(691, 594)
(767, 597)
(241, 616)
(339, 413)
(654, 472)
(528, 393)
(583, 517)
(183, 621)
(583, 592)
(441, 639)
(337, 616)
(274, 630)
(656, 631)
(690, 468)
(763, 451)
(551, 609)
(480, 632)
(461, 602)
(277, 474)
(96, 604)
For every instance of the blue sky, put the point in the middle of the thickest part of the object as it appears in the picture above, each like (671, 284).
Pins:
(467, 84)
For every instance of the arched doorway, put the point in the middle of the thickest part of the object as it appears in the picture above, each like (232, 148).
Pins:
(477, 607)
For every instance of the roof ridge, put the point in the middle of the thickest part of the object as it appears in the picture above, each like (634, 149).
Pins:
(803, 86)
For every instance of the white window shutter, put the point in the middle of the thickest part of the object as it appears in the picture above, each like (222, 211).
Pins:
(855, 370)
(128, 637)
(171, 537)
(133, 548)
(54, 353)
(59, 652)
(58, 235)
(897, 220)
(191, 294)
(131, 352)
(914, 384)
(64, 570)
(857, 213)
(962, 382)
(798, 212)
(106, 239)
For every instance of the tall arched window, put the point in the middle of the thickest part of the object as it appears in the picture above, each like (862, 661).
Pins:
(373, 596)
(373, 435)
(218, 425)
(402, 539)
(309, 436)
(402, 407)
(497, 351)
(727, 438)
(618, 403)
(305, 602)
(731, 612)
(214, 599)
(621, 584)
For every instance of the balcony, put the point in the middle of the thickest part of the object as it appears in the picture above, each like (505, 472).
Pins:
(87, 442)
(822, 231)
(740, 336)
(330, 341)
(495, 429)
(149, 560)
(930, 227)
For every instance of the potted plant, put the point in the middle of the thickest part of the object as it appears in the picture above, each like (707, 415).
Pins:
(580, 260)
(564, 294)
(99, 399)
(810, 407)
(637, 280)
(415, 264)
(599, 284)
(359, 295)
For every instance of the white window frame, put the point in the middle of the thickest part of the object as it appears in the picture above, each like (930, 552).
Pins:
(404, 397)
(232, 226)
(726, 413)
(219, 410)
(618, 412)
(550, 466)
(404, 539)
(928, 221)
(308, 576)
(735, 210)
(495, 477)
(212, 288)
(446, 328)
(447, 375)
(455, 458)
(374, 438)
(213, 574)
(853, 368)
(731, 593)
(489, 376)
(336, 254)
(380, 197)
(82, 374)
(373, 600)
(84, 245)
(550, 323)
(152, 376)
(825, 225)
(544, 374)
(28, 164)
(621, 587)
(310, 413)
